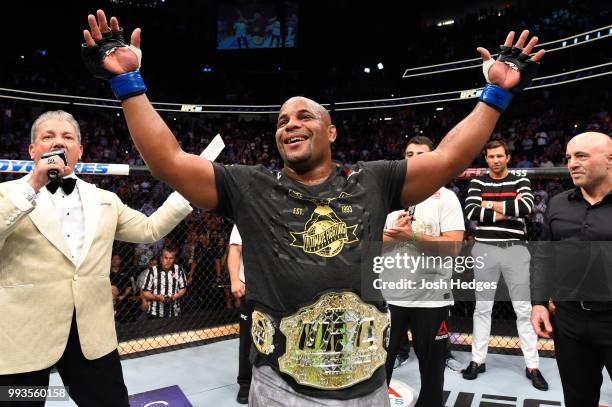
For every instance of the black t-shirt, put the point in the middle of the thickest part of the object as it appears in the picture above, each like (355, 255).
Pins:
(299, 241)
(289, 261)
(573, 260)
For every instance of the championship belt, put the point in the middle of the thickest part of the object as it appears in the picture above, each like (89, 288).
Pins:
(262, 332)
(336, 342)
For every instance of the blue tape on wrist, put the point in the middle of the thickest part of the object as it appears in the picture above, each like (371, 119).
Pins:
(127, 85)
(496, 97)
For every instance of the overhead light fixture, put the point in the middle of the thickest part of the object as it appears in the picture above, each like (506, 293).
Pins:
(445, 22)
(380, 65)
(366, 70)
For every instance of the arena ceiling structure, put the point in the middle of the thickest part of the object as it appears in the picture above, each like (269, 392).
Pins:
(348, 56)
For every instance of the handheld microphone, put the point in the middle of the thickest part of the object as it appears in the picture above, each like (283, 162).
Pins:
(60, 152)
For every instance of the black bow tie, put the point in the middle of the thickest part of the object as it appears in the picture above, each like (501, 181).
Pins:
(67, 185)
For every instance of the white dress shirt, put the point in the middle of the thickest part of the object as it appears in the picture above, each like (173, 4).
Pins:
(69, 210)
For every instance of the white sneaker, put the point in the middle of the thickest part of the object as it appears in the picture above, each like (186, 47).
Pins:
(453, 364)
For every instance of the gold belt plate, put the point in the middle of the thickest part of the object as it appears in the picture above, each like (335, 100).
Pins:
(334, 343)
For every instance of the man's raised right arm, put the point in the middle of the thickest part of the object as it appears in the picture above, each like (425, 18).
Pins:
(109, 57)
(191, 175)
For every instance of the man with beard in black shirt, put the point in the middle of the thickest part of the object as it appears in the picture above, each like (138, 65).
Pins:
(574, 271)
(312, 230)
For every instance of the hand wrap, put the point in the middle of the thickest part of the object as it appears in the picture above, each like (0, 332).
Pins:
(124, 85)
(498, 97)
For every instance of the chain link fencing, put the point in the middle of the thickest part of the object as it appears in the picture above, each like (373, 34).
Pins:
(504, 336)
(208, 312)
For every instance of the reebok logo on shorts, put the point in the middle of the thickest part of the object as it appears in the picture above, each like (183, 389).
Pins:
(442, 331)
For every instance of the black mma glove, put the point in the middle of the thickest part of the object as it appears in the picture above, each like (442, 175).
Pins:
(498, 97)
(124, 85)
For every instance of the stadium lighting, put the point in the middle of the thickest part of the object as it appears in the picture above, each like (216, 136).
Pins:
(380, 66)
(445, 22)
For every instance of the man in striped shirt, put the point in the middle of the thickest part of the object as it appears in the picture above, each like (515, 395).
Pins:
(499, 201)
(164, 286)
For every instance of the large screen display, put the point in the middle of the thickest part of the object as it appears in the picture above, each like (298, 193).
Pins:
(257, 26)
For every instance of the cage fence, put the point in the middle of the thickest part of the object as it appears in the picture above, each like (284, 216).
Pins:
(208, 312)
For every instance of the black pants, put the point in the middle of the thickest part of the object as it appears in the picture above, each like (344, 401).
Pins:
(404, 348)
(583, 346)
(430, 348)
(93, 383)
(244, 364)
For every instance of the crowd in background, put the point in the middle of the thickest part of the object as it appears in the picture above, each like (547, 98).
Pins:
(200, 242)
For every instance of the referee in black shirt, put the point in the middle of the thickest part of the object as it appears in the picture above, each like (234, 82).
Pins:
(575, 271)
(499, 201)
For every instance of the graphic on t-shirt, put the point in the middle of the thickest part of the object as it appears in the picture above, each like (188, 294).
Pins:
(426, 225)
(325, 234)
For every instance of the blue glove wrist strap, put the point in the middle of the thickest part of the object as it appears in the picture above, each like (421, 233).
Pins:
(127, 85)
(496, 97)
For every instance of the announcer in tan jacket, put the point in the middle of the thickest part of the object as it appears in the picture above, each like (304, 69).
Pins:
(55, 253)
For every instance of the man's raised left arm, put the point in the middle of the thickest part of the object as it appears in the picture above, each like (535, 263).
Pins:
(506, 76)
